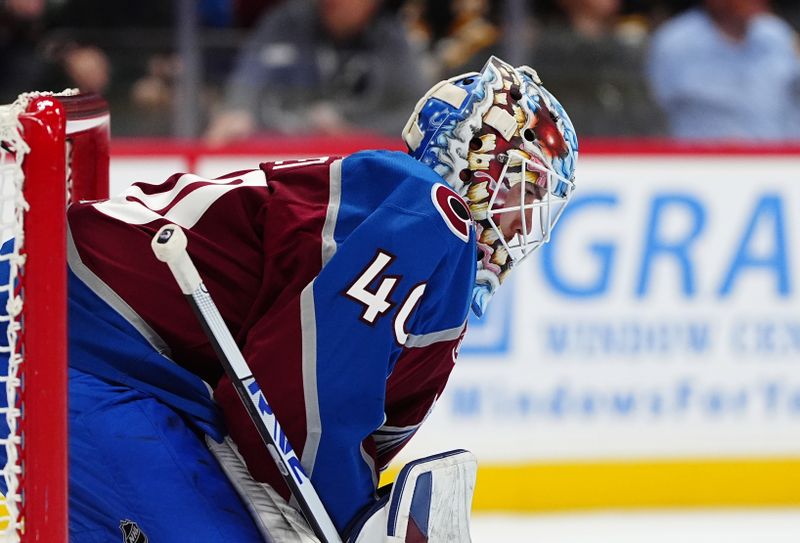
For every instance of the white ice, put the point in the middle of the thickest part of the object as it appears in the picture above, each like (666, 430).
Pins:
(669, 526)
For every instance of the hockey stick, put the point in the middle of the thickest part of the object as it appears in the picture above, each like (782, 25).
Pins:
(169, 245)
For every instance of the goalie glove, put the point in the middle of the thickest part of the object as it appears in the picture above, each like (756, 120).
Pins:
(429, 503)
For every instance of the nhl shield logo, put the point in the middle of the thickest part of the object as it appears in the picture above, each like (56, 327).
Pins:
(131, 532)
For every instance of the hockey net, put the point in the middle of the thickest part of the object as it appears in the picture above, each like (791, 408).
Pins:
(53, 149)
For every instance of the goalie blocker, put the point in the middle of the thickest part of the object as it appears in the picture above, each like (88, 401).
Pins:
(429, 502)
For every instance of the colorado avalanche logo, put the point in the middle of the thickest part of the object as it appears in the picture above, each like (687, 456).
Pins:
(453, 210)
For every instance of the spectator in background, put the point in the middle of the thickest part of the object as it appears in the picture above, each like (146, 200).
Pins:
(727, 70)
(33, 61)
(21, 26)
(458, 35)
(592, 55)
(323, 67)
(87, 67)
(122, 49)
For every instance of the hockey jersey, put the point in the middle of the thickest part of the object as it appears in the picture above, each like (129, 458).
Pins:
(346, 283)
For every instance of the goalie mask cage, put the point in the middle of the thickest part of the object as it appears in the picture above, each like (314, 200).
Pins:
(53, 148)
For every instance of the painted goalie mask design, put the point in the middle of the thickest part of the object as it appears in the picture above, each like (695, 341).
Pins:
(507, 146)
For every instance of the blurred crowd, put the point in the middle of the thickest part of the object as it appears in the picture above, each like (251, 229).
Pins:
(692, 69)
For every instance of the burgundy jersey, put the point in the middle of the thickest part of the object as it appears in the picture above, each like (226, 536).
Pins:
(345, 282)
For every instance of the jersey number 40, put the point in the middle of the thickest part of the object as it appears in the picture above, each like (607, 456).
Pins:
(376, 302)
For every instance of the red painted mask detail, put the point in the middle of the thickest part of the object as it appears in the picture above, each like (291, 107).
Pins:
(548, 135)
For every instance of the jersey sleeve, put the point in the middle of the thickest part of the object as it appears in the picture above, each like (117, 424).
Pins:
(323, 357)
(417, 382)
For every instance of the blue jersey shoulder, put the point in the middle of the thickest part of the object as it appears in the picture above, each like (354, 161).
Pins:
(371, 179)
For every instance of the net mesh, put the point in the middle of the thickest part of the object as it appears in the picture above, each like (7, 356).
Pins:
(13, 206)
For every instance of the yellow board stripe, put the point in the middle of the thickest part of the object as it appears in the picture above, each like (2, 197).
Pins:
(654, 483)
(658, 483)
(4, 519)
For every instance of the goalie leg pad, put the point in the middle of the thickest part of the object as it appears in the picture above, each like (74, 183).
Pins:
(429, 503)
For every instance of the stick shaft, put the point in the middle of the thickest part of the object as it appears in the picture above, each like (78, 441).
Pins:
(169, 244)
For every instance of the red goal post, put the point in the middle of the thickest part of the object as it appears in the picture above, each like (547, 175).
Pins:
(53, 148)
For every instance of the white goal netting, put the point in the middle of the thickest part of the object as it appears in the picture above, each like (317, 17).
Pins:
(13, 206)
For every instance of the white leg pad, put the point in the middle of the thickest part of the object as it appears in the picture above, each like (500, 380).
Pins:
(430, 502)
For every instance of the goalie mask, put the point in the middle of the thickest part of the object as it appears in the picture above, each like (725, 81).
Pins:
(506, 145)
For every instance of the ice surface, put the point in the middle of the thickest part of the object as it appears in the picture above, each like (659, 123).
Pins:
(673, 526)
